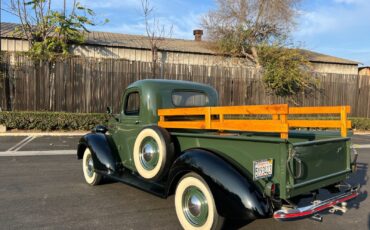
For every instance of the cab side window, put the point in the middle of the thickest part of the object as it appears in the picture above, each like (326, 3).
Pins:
(132, 104)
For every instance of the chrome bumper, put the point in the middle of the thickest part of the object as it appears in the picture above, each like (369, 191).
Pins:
(318, 206)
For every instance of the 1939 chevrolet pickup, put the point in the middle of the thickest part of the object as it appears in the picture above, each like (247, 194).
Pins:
(222, 162)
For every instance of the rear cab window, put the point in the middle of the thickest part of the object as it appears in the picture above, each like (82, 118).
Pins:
(186, 98)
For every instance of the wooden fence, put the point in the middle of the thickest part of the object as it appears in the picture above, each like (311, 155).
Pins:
(89, 85)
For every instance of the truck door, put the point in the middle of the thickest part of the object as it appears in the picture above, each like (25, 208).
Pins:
(128, 126)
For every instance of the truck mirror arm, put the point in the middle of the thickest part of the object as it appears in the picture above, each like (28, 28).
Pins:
(110, 113)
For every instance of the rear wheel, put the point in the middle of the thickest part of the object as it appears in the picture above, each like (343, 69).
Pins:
(91, 177)
(194, 203)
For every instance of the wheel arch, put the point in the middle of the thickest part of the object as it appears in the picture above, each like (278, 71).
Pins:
(236, 196)
(81, 148)
(103, 151)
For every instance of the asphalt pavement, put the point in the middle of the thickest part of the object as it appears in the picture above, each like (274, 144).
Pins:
(49, 192)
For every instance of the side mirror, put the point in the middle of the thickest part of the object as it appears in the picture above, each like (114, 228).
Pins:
(109, 110)
(110, 113)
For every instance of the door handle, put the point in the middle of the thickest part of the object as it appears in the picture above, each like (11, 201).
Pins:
(137, 122)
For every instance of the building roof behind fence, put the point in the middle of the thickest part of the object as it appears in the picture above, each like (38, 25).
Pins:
(109, 39)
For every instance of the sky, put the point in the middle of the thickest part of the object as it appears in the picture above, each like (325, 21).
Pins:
(335, 27)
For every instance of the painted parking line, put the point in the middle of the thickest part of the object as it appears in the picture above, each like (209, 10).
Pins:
(21, 143)
(25, 143)
(37, 153)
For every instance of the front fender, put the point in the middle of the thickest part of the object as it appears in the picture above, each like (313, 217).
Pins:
(236, 197)
(103, 151)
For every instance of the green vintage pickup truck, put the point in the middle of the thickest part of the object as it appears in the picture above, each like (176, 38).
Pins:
(222, 162)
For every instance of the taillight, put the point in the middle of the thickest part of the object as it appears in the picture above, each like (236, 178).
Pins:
(270, 189)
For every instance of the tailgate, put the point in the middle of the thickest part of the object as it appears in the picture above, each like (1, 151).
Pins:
(315, 164)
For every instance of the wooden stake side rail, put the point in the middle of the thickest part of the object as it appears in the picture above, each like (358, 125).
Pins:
(279, 118)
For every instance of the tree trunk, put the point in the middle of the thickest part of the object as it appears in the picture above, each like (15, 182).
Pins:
(255, 57)
(154, 61)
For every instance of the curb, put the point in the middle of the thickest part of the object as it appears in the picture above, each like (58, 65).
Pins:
(362, 133)
(37, 153)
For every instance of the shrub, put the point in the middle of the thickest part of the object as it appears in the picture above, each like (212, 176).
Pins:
(51, 120)
(360, 123)
(85, 121)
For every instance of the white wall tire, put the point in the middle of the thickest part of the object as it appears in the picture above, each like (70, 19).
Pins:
(91, 177)
(195, 206)
(152, 153)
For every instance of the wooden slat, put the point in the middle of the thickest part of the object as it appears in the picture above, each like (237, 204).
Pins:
(183, 111)
(250, 109)
(343, 122)
(182, 124)
(250, 125)
(317, 123)
(283, 121)
(318, 110)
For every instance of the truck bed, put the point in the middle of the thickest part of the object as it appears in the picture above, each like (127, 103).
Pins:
(303, 161)
(325, 157)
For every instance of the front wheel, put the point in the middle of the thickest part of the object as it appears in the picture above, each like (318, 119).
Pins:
(194, 203)
(91, 177)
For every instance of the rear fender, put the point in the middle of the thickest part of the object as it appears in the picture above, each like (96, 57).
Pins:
(103, 151)
(236, 197)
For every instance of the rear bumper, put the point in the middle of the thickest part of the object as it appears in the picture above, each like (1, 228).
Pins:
(317, 206)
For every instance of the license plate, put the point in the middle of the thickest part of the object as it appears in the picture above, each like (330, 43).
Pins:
(262, 169)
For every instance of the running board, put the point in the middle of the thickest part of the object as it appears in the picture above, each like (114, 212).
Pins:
(130, 178)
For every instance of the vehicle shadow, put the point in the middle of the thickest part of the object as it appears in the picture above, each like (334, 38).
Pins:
(235, 224)
(107, 180)
(359, 178)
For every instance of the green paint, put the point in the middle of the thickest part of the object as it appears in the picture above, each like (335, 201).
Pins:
(325, 156)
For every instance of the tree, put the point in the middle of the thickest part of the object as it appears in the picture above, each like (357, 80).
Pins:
(239, 26)
(259, 31)
(50, 32)
(286, 72)
(155, 31)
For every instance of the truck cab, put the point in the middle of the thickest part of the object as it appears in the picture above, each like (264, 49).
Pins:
(140, 103)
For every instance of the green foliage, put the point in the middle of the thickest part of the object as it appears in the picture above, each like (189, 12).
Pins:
(85, 121)
(360, 123)
(51, 120)
(233, 42)
(51, 32)
(286, 72)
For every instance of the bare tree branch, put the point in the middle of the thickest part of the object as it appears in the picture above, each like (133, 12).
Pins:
(156, 32)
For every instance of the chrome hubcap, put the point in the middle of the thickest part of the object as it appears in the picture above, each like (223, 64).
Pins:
(195, 206)
(149, 154)
(89, 166)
